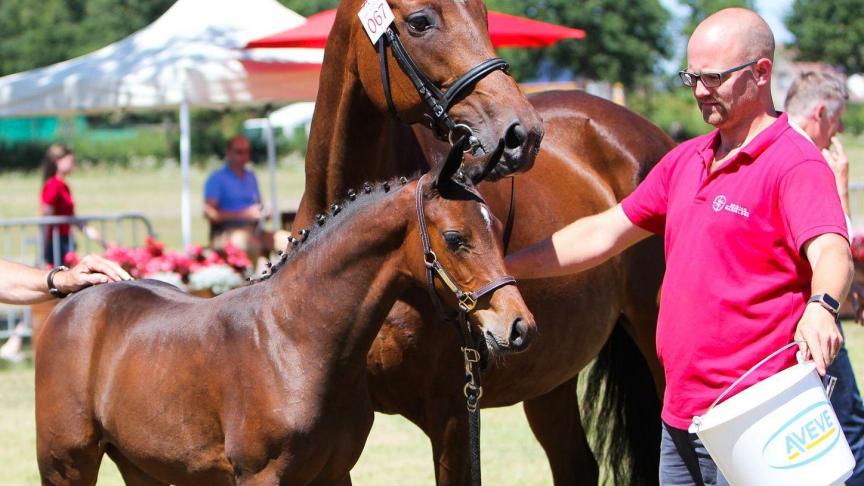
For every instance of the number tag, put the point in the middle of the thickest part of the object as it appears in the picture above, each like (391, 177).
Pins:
(376, 16)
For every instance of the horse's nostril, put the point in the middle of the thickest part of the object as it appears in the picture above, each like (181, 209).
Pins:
(518, 333)
(515, 136)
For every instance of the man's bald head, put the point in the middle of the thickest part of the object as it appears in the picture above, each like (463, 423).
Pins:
(740, 32)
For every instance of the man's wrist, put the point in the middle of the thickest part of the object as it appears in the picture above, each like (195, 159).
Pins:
(52, 285)
(827, 302)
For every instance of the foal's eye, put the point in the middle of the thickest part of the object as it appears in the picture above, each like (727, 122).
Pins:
(419, 23)
(455, 240)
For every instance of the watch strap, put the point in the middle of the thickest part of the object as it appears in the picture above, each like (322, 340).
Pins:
(827, 302)
(52, 289)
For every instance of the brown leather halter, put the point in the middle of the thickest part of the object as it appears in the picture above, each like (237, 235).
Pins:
(467, 302)
(438, 101)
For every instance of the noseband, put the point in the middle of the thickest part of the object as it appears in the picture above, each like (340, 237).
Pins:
(438, 101)
(467, 300)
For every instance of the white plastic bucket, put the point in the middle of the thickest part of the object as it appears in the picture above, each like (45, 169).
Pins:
(780, 431)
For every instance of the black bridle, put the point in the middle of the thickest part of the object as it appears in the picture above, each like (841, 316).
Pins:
(438, 101)
(467, 302)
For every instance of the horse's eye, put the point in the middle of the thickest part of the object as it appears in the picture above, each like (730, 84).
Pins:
(454, 240)
(419, 23)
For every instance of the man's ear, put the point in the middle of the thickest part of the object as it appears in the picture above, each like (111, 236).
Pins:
(820, 112)
(763, 69)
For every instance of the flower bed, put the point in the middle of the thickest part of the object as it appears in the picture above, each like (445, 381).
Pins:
(196, 269)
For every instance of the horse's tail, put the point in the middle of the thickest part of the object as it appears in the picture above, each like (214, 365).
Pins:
(622, 411)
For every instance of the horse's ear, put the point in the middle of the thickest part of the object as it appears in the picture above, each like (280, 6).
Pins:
(443, 173)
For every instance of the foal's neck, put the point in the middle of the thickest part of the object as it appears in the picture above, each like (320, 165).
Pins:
(351, 273)
(351, 139)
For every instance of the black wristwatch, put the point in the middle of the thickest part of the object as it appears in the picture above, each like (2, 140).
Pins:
(829, 303)
(52, 289)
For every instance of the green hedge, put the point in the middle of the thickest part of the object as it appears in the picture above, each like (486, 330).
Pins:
(128, 140)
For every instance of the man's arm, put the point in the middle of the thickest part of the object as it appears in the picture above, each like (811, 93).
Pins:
(21, 284)
(215, 215)
(831, 262)
(583, 244)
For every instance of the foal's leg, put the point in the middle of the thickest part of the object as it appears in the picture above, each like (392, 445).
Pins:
(445, 421)
(556, 422)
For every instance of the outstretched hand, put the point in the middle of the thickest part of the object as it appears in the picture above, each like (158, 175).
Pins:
(91, 270)
(822, 338)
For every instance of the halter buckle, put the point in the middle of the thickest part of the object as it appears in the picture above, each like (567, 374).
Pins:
(473, 394)
(467, 301)
(429, 258)
(471, 355)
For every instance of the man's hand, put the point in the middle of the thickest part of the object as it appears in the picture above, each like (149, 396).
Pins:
(822, 338)
(837, 160)
(91, 270)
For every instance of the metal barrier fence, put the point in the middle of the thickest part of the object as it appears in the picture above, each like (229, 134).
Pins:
(23, 240)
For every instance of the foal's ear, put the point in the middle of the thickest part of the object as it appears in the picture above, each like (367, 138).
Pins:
(442, 174)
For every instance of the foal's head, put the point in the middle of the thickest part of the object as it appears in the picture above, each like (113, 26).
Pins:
(463, 245)
(446, 39)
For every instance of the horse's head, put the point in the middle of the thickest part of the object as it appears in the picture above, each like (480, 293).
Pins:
(462, 255)
(442, 47)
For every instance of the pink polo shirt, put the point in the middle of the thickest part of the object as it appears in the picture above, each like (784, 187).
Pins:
(736, 279)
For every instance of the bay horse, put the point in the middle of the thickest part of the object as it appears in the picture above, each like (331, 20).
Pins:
(265, 384)
(593, 154)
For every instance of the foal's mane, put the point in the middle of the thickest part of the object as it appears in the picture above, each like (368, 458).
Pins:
(355, 199)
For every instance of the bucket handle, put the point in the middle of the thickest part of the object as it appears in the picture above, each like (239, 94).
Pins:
(751, 370)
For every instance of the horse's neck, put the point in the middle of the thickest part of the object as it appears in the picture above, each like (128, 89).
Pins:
(353, 274)
(351, 141)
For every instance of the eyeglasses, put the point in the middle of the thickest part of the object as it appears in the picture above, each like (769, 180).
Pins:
(709, 80)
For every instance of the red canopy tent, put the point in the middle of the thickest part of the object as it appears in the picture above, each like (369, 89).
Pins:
(504, 30)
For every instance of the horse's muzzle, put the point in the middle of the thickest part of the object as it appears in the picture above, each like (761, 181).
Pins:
(520, 336)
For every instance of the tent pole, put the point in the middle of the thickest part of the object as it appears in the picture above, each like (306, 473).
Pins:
(185, 222)
(276, 217)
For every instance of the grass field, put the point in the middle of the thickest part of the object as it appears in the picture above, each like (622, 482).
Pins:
(397, 453)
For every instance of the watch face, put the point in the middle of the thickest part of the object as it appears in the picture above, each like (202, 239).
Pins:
(831, 301)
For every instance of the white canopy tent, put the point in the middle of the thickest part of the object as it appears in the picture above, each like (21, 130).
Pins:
(191, 56)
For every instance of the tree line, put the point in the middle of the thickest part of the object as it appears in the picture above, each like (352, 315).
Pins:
(626, 40)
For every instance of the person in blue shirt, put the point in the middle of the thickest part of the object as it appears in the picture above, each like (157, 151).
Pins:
(232, 202)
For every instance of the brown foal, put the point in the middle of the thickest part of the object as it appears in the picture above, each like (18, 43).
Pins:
(265, 384)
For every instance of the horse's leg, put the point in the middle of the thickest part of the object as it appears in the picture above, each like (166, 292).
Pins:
(71, 464)
(555, 420)
(132, 475)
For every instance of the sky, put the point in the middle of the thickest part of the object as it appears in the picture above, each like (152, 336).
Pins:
(772, 11)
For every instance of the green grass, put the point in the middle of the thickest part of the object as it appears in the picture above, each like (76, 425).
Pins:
(152, 191)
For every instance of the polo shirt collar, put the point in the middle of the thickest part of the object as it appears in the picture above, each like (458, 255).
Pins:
(753, 149)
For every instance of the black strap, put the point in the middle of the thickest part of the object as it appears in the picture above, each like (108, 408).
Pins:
(437, 100)
(684, 446)
(385, 75)
(511, 213)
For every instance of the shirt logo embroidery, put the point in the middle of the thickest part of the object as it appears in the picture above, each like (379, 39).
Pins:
(719, 204)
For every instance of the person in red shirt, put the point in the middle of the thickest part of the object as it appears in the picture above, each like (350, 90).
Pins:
(756, 247)
(56, 200)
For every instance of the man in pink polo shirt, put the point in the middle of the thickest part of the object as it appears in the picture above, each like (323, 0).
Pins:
(753, 231)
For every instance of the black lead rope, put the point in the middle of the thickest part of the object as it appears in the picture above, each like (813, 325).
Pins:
(511, 215)
(467, 301)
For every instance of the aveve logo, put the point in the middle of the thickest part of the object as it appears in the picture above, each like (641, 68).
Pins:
(803, 439)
